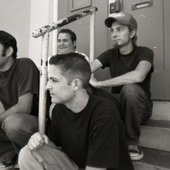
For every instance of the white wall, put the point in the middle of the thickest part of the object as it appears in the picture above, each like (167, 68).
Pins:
(20, 18)
(39, 17)
(15, 19)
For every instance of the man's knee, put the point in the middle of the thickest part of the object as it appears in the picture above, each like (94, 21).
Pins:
(11, 125)
(17, 123)
(24, 155)
(132, 91)
(25, 158)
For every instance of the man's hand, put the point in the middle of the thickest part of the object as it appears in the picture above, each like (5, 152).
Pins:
(37, 140)
(93, 82)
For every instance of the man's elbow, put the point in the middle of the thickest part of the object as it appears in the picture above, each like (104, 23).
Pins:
(95, 65)
(25, 109)
(139, 78)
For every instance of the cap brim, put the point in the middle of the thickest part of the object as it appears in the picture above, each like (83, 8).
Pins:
(109, 21)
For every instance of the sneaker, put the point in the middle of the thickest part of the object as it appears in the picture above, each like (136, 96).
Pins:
(135, 152)
(6, 165)
(16, 166)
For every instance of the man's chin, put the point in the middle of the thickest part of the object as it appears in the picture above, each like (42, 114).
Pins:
(115, 45)
(63, 51)
(55, 101)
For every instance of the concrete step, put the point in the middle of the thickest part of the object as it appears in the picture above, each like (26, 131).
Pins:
(156, 134)
(161, 110)
(153, 160)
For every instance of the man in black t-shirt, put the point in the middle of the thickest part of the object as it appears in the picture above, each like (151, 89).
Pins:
(85, 132)
(130, 69)
(66, 43)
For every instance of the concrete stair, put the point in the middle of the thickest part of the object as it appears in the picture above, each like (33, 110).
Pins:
(153, 160)
(156, 135)
(161, 110)
(155, 139)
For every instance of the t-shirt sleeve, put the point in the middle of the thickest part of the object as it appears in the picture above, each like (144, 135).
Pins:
(104, 139)
(146, 54)
(28, 77)
(104, 58)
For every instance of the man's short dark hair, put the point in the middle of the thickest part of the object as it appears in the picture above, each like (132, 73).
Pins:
(73, 65)
(7, 40)
(70, 32)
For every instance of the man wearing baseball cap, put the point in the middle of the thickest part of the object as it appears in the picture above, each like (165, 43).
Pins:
(131, 67)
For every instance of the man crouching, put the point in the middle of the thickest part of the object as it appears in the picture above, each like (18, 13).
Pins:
(85, 131)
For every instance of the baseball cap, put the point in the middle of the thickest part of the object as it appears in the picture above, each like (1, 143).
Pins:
(123, 18)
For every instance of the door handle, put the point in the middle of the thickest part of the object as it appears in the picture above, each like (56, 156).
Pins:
(142, 5)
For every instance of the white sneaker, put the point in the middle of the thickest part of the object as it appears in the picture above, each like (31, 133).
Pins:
(135, 152)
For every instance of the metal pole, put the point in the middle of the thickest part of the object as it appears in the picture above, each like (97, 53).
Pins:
(92, 36)
(43, 81)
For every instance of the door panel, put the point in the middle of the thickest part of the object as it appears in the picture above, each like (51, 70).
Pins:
(151, 33)
(167, 47)
(82, 30)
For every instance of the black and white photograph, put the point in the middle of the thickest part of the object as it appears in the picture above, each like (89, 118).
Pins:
(84, 85)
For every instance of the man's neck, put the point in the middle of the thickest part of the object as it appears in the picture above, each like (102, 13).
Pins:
(124, 50)
(79, 102)
(7, 65)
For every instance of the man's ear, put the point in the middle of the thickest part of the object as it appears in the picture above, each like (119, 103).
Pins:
(9, 51)
(76, 84)
(132, 33)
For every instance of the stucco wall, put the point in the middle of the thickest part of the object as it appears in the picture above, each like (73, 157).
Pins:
(15, 19)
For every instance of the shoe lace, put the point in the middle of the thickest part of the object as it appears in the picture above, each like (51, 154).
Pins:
(133, 148)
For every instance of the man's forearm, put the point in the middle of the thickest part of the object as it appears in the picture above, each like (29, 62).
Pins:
(13, 110)
(135, 76)
(128, 78)
(23, 106)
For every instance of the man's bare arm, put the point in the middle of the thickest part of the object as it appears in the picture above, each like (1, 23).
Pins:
(95, 65)
(23, 106)
(135, 76)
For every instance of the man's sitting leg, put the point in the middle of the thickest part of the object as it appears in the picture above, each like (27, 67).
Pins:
(135, 108)
(17, 128)
(7, 152)
(46, 157)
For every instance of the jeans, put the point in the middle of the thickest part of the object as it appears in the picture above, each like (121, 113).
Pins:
(45, 158)
(135, 109)
(15, 132)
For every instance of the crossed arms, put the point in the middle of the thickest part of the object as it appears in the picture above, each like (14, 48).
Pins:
(135, 76)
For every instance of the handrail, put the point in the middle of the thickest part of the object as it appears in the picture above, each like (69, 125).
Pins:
(48, 28)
